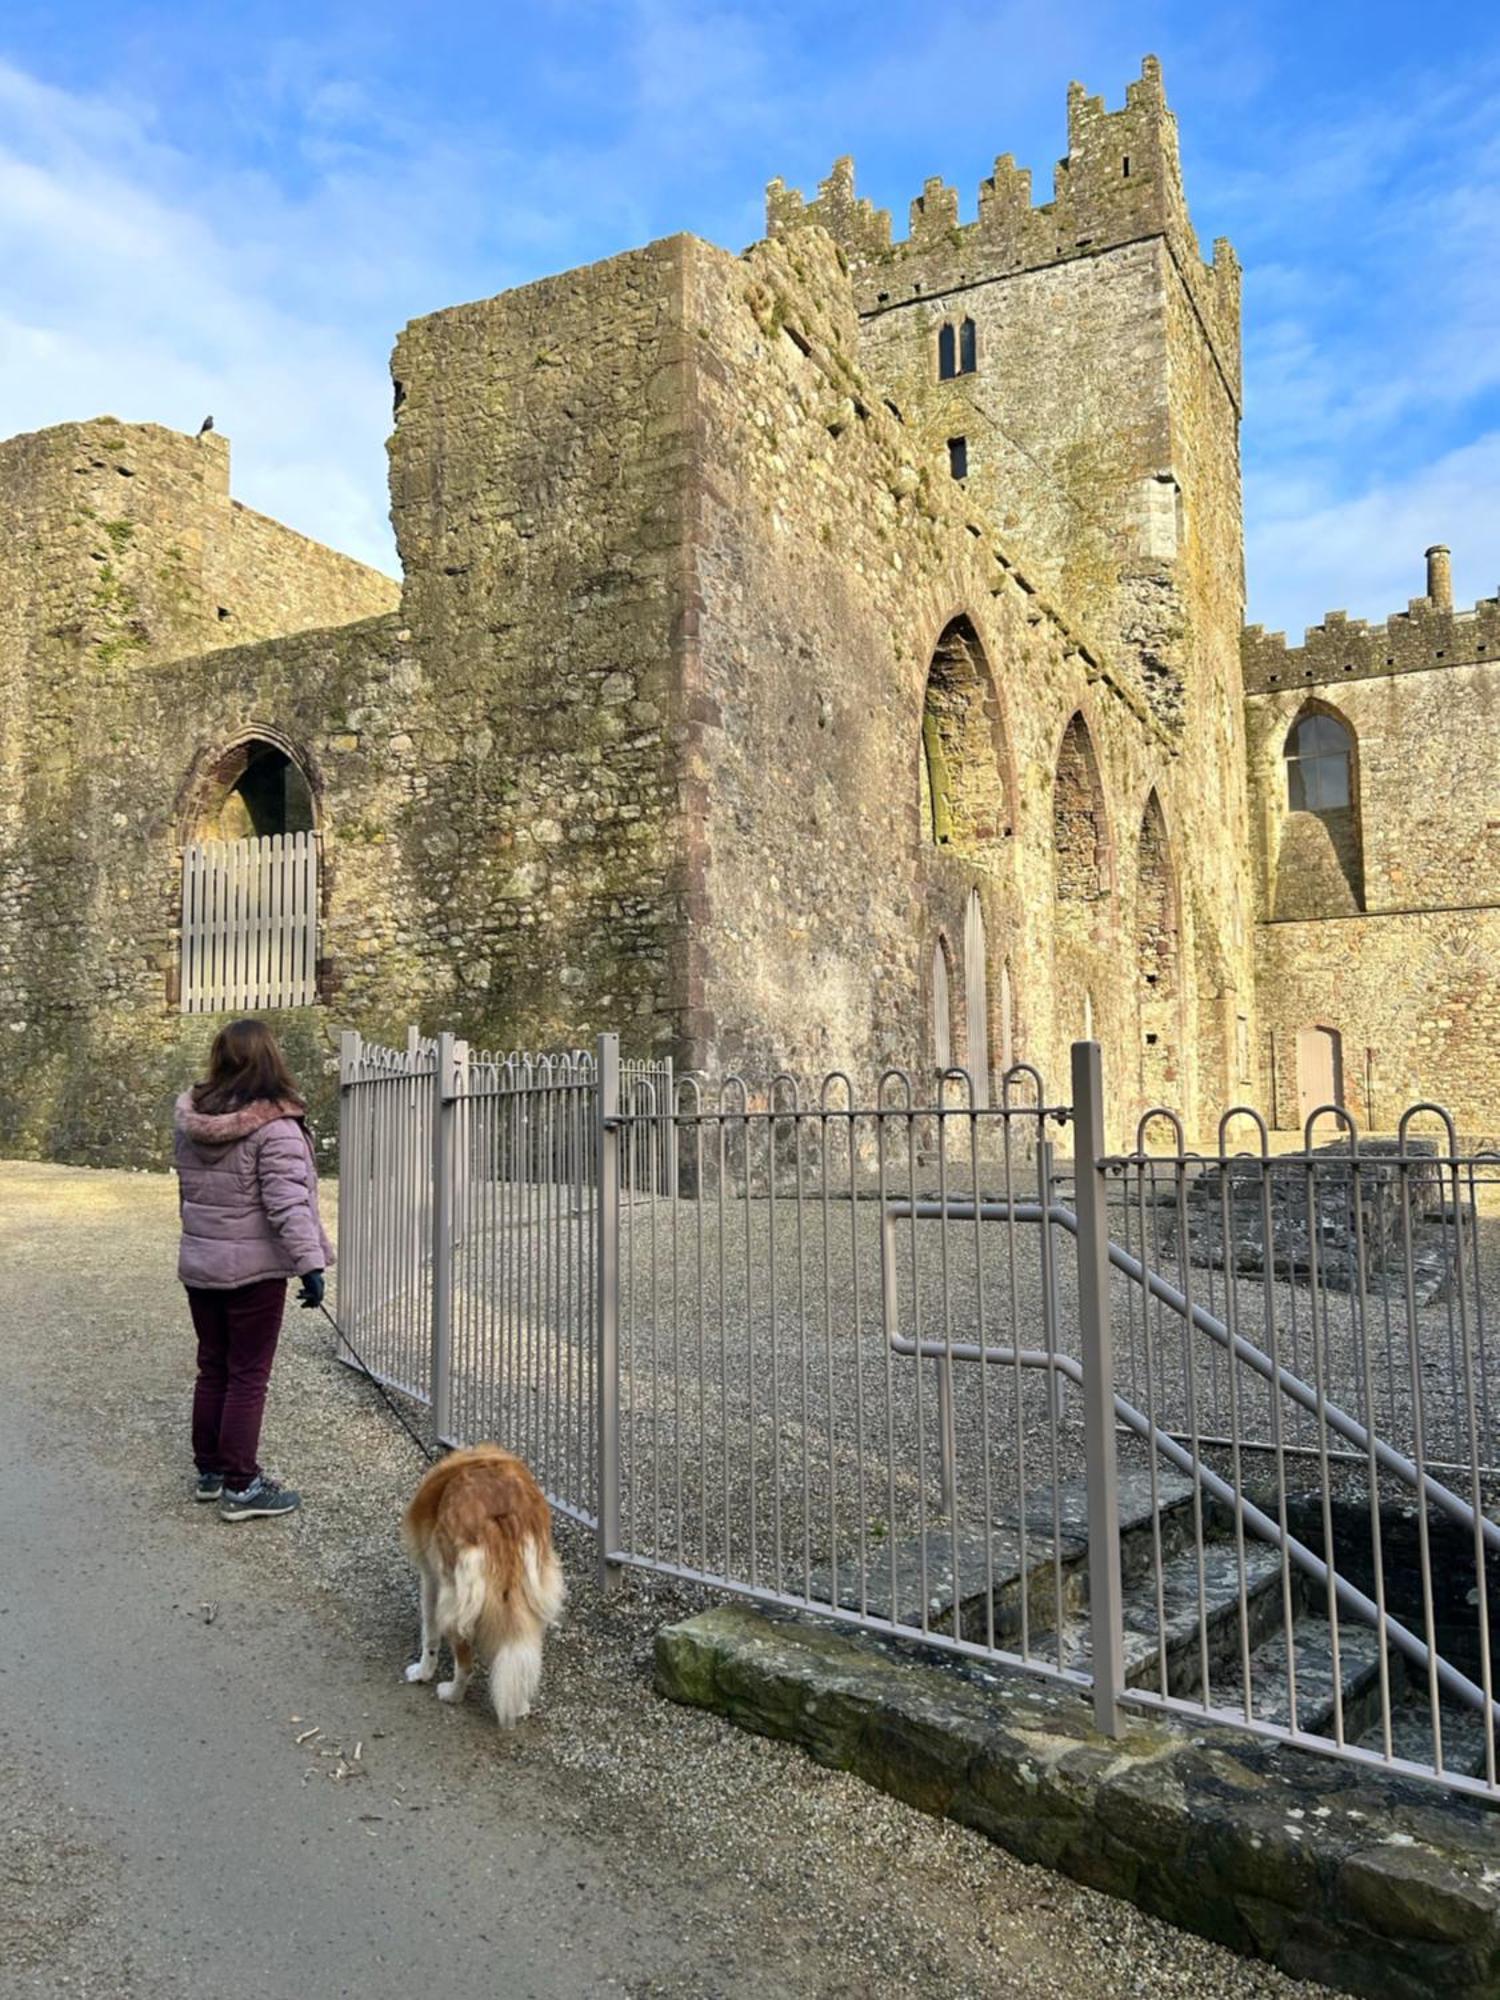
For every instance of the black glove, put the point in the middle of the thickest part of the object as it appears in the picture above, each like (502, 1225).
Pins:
(310, 1292)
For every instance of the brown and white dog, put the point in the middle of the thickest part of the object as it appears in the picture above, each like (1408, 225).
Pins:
(480, 1533)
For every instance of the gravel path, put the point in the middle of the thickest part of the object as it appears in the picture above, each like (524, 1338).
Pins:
(715, 1863)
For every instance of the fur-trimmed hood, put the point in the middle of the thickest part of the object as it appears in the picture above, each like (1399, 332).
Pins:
(213, 1129)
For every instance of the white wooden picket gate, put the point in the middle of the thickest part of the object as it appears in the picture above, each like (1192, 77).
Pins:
(249, 923)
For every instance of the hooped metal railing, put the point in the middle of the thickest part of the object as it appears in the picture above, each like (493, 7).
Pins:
(1351, 1599)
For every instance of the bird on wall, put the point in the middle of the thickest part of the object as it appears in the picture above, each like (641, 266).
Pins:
(205, 427)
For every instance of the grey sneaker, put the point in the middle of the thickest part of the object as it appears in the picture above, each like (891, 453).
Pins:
(259, 1500)
(210, 1486)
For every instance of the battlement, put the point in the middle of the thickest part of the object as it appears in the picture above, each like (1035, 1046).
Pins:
(1120, 182)
(1427, 635)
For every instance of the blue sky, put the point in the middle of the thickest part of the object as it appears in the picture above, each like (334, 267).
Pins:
(234, 209)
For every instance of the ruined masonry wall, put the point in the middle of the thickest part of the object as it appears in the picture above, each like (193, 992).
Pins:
(1065, 414)
(95, 1049)
(1415, 1000)
(1121, 182)
(1428, 799)
(1413, 978)
(119, 546)
(822, 891)
(539, 468)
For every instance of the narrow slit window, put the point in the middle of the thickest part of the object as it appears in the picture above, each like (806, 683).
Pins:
(966, 348)
(947, 354)
(958, 457)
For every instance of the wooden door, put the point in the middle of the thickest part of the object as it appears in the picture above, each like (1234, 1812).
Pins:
(1320, 1070)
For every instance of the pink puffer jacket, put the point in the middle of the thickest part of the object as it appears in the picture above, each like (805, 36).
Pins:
(248, 1187)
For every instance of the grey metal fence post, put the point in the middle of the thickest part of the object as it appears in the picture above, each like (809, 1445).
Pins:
(351, 1252)
(607, 1328)
(1105, 1626)
(445, 1086)
(1047, 1182)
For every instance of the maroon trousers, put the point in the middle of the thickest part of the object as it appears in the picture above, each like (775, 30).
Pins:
(237, 1334)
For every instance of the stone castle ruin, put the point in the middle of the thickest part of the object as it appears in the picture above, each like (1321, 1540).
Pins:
(829, 655)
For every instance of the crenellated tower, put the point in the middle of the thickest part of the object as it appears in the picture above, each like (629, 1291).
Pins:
(1076, 366)
(1120, 182)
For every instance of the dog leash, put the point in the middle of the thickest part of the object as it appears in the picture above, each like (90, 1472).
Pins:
(429, 1451)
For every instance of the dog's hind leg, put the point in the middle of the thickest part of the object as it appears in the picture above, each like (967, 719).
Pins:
(425, 1667)
(463, 1666)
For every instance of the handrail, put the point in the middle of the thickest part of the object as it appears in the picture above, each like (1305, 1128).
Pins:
(1337, 1419)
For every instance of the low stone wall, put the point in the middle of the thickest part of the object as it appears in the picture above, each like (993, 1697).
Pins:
(1370, 1883)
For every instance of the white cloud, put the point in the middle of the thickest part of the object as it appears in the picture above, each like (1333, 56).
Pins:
(1364, 555)
(1372, 349)
(124, 296)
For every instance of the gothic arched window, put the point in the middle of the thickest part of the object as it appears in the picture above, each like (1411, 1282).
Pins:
(1319, 756)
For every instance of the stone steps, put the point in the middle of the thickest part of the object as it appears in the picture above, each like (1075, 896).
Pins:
(914, 1572)
(1411, 1734)
(982, 1595)
(918, 1573)
(1313, 1659)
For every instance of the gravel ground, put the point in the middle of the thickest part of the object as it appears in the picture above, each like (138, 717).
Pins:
(805, 1878)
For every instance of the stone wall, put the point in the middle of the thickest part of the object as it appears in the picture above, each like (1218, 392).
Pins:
(119, 550)
(96, 1046)
(1413, 997)
(1101, 424)
(834, 556)
(1380, 922)
(540, 468)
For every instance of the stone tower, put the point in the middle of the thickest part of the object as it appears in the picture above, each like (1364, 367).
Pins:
(1076, 366)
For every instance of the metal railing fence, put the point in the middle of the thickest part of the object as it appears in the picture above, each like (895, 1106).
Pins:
(1311, 1334)
(387, 1101)
(774, 1437)
(1217, 1435)
(468, 1231)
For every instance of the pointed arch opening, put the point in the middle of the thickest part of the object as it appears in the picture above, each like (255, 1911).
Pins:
(249, 888)
(940, 990)
(1158, 956)
(1079, 829)
(253, 789)
(965, 802)
(1320, 858)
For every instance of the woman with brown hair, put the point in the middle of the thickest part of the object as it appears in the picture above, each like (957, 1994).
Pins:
(248, 1190)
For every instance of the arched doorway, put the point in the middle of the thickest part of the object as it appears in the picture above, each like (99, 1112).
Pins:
(249, 911)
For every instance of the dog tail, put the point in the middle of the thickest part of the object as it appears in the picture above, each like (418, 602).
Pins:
(542, 1582)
